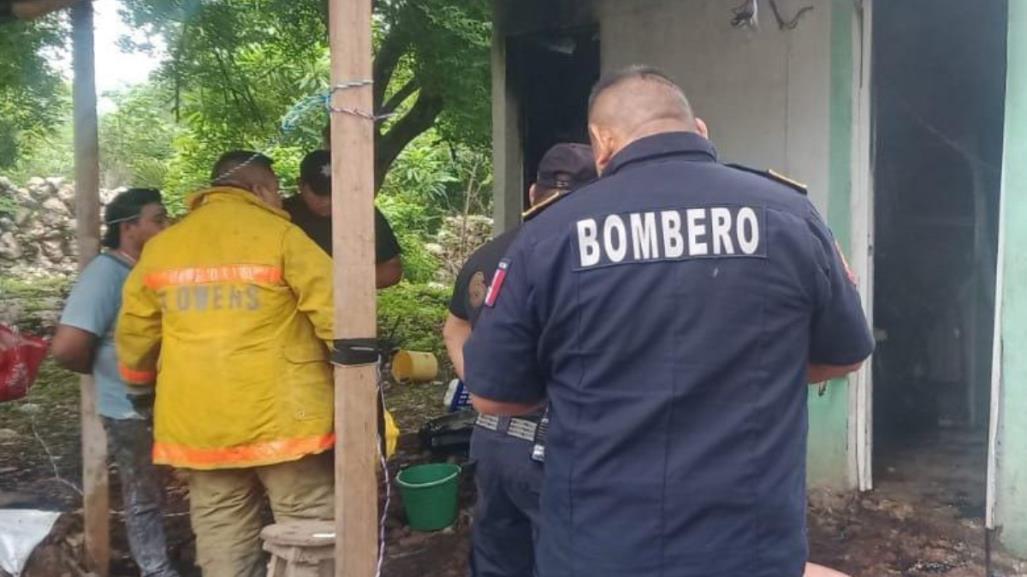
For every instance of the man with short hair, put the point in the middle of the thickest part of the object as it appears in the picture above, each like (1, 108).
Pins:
(229, 311)
(311, 210)
(84, 343)
(671, 313)
(508, 480)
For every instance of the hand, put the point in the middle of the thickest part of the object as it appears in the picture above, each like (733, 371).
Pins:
(143, 403)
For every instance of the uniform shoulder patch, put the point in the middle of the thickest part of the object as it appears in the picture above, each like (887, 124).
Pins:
(538, 208)
(775, 176)
(477, 289)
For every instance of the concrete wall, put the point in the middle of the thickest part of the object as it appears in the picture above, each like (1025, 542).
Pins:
(772, 98)
(1011, 494)
(507, 157)
(764, 93)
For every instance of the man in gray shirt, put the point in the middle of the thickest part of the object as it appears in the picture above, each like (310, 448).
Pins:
(84, 343)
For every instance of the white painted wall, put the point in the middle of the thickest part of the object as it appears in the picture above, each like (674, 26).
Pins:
(765, 93)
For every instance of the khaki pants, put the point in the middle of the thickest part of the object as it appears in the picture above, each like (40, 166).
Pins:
(225, 507)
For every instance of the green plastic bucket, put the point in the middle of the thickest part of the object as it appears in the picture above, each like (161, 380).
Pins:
(430, 495)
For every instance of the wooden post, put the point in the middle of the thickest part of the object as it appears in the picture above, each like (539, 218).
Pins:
(356, 490)
(87, 213)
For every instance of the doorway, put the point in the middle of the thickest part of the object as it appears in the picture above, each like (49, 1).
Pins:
(552, 73)
(938, 78)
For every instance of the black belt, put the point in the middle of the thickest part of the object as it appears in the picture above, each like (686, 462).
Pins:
(513, 426)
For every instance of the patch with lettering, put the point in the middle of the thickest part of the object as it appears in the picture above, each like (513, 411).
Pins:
(477, 289)
(210, 298)
(671, 235)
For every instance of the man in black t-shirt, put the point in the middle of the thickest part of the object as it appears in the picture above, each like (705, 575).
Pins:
(508, 480)
(311, 210)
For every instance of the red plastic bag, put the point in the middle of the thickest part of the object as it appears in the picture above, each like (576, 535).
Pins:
(20, 357)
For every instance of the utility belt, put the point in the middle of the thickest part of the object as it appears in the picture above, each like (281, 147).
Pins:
(531, 429)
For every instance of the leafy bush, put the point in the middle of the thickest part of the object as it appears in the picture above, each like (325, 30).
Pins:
(32, 96)
(410, 316)
(136, 138)
(8, 206)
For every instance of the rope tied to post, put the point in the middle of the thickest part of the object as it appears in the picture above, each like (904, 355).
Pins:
(353, 111)
(320, 99)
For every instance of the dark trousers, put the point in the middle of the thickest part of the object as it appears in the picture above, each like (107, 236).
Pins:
(130, 443)
(507, 514)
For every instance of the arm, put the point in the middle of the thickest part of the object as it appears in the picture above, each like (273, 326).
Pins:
(89, 313)
(389, 272)
(389, 269)
(74, 349)
(308, 272)
(822, 373)
(455, 333)
(139, 330)
(502, 362)
(840, 338)
(458, 327)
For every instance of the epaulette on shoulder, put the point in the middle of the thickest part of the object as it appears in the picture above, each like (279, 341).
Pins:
(776, 177)
(538, 208)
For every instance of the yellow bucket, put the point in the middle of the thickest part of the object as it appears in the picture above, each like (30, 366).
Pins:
(391, 435)
(414, 366)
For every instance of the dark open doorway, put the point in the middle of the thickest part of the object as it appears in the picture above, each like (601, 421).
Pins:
(938, 98)
(552, 73)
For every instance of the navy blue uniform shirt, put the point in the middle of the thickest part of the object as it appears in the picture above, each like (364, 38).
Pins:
(472, 283)
(669, 311)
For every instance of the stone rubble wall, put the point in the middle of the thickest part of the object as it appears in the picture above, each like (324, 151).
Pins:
(38, 239)
(456, 239)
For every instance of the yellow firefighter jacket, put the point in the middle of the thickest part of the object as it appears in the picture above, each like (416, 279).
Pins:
(231, 310)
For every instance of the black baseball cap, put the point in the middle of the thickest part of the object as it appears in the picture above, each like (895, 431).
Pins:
(316, 172)
(567, 166)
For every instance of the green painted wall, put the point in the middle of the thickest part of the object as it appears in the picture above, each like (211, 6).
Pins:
(827, 462)
(1011, 511)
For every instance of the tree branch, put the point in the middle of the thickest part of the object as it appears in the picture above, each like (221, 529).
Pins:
(399, 97)
(388, 146)
(392, 49)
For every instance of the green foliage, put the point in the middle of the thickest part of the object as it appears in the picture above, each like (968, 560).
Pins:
(424, 172)
(410, 224)
(46, 153)
(429, 181)
(411, 316)
(32, 98)
(7, 205)
(238, 66)
(460, 76)
(136, 139)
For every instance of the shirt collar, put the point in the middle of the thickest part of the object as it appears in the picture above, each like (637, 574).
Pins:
(232, 194)
(685, 144)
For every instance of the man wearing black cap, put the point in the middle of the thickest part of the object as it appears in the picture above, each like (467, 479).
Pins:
(509, 481)
(311, 210)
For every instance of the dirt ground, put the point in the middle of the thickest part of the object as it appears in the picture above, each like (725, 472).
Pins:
(925, 518)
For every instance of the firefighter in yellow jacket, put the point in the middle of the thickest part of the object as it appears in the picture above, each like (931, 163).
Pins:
(229, 311)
